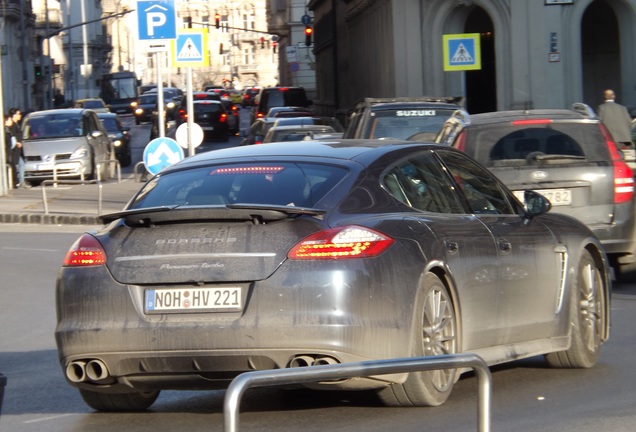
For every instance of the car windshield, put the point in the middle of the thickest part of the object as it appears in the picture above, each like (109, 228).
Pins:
(53, 126)
(93, 104)
(148, 100)
(110, 124)
(286, 184)
(408, 123)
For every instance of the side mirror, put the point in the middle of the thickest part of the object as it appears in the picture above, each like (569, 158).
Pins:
(535, 203)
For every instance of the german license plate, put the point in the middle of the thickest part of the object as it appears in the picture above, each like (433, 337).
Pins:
(558, 197)
(198, 299)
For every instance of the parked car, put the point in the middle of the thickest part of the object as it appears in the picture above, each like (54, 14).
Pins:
(418, 119)
(119, 137)
(233, 116)
(255, 134)
(210, 114)
(295, 132)
(70, 142)
(566, 155)
(269, 97)
(96, 104)
(264, 257)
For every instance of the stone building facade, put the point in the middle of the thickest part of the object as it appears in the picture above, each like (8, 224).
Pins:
(534, 54)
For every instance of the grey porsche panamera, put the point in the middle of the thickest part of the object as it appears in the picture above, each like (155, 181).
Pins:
(305, 253)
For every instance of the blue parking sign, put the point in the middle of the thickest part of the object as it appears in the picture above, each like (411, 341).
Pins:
(156, 19)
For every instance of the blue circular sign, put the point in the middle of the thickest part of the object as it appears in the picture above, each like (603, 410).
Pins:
(160, 153)
(306, 19)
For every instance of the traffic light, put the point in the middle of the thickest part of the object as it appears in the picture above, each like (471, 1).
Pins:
(221, 49)
(308, 32)
(262, 42)
(217, 20)
(38, 71)
(274, 45)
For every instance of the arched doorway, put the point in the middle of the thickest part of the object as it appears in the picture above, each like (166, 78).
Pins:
(600, 51)
(481, 88)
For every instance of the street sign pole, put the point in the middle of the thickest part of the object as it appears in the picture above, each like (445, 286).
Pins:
(190, 108)
(160, 114)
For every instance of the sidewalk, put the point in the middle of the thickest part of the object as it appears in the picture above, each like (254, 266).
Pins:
(67, 204)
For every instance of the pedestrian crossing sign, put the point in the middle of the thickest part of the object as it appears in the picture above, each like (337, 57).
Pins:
(190, 48)
(462, 52)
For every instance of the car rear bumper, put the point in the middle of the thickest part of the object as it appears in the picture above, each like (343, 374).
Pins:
(279, 327)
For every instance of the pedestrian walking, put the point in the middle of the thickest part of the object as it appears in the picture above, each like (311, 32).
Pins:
(11, 150)
(617, 120)
(16, 131)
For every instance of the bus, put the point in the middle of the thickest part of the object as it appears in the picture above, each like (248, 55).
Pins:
(119, 89)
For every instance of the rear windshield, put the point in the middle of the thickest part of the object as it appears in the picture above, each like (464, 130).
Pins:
(287, 184)
(207, 108)
(509, 145)
(284, 97)
(413, 124)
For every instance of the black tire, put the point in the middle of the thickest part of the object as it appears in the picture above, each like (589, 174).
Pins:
(435, 334)
(118, 402)
(587, 318)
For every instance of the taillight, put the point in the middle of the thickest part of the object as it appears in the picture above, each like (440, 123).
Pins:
(460, 144)
(183, 114)
(341, 243)
(623, 174)
(259, 114)
(85, 252)
(223, 117)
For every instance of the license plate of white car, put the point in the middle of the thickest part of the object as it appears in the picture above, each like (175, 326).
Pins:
(199, 299)
(558, 197)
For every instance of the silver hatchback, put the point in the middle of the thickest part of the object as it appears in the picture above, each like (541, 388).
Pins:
(65, 143)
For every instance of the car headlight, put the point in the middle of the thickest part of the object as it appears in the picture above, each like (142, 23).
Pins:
(139, 111)
(80, 153)
(117, 143)
(170, 105)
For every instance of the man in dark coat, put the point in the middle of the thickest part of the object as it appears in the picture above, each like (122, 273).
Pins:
(617, 120)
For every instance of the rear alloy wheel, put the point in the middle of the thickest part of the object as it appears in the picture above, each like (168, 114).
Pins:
(118, 402)
(587, 318)
(435, 334)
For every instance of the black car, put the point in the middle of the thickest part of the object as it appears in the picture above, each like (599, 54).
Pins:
(119, 136)
(418, 119)
(270, 97)
(249, 94)
(284, 255)
(566, 155)
(210, 114)
(144, 106)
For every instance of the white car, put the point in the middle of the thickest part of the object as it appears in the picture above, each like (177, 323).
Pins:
(66, 143)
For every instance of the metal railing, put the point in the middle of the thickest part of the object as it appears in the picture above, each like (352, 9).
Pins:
(140, 166)
(80, 182)
(108, 162)
(278, 377)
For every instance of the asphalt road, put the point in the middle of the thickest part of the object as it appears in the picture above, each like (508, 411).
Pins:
(527, 396)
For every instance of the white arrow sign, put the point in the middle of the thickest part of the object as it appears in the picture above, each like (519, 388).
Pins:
(154, 158)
